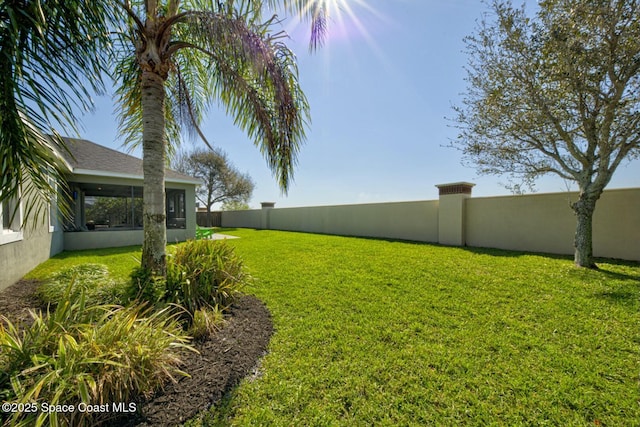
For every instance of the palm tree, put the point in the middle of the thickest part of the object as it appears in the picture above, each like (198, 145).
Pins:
(50, 64)
(183, 57)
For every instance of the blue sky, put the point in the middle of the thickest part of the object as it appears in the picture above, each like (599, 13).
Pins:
(381, 92)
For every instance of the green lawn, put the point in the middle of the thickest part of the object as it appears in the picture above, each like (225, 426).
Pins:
(372, 332)
(119, 261)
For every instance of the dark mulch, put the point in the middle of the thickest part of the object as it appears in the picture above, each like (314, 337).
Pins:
(223, 360)
(18, 299)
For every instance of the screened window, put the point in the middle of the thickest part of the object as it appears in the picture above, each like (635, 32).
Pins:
(119, 207)
(176, 211)
(112, 207)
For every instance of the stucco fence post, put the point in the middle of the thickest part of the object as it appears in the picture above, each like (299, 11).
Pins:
(265, 222)
(451, 215)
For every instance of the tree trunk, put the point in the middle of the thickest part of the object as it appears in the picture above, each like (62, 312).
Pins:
(209, 217)
(583, 242)
(153, 147)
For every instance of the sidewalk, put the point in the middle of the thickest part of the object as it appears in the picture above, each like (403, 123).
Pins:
(219, 236)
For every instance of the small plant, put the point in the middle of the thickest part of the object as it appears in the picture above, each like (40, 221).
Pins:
(92, 279)
(92, 355)
(204, 273)
(203, 276)
(205, 322)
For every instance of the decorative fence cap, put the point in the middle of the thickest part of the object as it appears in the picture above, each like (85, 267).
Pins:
(455, 188)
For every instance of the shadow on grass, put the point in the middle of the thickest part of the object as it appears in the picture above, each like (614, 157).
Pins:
(603, 264)
(615, 274)
(505, 253)
(628, 295)
(479, 250)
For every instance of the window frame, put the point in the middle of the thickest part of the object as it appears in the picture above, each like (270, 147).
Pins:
(14, 233)
(53, 207)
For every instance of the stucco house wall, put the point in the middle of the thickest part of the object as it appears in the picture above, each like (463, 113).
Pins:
(39, 241)
(89, 164)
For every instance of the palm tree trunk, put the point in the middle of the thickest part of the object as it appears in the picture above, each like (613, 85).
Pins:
(153, 146)
(583, 242)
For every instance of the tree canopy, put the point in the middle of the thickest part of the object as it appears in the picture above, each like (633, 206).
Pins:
(556, 93)
(222, 182)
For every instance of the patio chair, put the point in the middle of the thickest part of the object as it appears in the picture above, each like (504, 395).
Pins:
(204, 233)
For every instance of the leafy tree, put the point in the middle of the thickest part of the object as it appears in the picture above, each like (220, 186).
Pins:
(559, 94)
(182, 56)
(50, 65)
(235, 206)
(223, 183)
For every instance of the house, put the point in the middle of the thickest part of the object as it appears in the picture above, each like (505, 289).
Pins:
(105, 186)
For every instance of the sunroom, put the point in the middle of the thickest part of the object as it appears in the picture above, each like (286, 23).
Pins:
(106, 188)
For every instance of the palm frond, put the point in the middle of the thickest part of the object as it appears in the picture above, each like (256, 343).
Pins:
(128, 100)
(254, 75)
(224, 52)
(313, 11)
(52, 62)
(188, 92)
(129, 105)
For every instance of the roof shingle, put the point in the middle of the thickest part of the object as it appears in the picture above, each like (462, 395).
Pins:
(88, 156)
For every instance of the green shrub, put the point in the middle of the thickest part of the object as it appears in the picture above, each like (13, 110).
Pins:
(87, 354)
(144, 286)
(204, 274)
(205, 322)
(92, 279)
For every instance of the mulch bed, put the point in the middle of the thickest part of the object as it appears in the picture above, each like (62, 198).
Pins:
(223, 360)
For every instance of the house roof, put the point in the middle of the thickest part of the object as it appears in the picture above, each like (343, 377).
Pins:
(88, 158)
